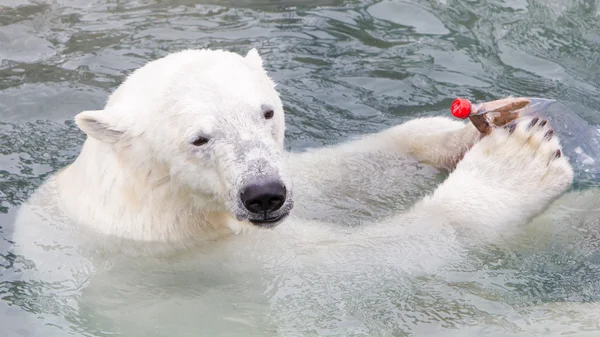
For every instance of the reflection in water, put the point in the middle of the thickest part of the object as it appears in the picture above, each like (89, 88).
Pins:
(343, 68)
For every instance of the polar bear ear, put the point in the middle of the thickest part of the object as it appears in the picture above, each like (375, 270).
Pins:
(97, 124)
(254, 58)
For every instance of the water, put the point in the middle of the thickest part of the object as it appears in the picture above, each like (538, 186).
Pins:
(344, 68)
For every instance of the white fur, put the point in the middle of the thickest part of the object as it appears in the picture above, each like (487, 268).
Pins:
(139, 184)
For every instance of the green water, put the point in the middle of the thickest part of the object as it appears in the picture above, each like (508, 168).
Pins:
(343, 68)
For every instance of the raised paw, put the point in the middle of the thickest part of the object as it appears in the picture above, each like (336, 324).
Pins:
(522, 163)
(530, 144)
(504, 180)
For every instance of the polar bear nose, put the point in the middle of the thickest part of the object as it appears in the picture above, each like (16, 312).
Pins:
(263, 198)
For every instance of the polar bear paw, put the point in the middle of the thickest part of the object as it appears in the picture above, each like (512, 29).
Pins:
(508, 177)
(523, 155)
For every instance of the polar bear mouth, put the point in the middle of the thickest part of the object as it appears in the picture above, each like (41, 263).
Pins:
(268, 222)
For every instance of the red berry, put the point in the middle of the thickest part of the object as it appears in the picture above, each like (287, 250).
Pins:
(461, 108)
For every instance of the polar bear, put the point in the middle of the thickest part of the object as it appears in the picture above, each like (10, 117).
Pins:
(189, 152)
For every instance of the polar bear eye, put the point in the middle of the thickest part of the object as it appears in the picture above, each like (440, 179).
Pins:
(269, 114)
(200, 141)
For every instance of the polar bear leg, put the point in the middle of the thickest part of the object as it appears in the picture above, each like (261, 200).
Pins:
(437, 141)
(383, 166)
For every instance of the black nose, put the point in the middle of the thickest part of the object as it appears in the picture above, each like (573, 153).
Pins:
(263, 198)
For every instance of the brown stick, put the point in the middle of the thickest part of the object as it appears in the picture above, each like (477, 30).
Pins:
(508, 109)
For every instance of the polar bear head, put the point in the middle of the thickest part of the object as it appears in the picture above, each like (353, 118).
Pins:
(209, 125)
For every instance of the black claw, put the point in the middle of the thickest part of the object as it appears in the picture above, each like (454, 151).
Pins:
(532, 123)
(510, 127)
(542, 124)
(558, 154)
(549, 134)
